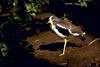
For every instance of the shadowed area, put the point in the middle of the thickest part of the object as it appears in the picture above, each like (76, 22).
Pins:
(57, 46)
(51, 47)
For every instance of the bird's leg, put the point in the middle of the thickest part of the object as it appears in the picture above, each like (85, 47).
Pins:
(65, 42)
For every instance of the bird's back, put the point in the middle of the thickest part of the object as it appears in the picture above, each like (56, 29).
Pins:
(74, 28)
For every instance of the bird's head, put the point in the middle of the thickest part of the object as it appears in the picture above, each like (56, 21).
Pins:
(51, 20)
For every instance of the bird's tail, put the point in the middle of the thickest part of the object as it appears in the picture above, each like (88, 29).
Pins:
(82, 38)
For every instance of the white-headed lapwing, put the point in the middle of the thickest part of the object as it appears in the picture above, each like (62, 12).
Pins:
(65, 24)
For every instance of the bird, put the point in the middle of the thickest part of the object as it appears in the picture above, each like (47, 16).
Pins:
(67, 25)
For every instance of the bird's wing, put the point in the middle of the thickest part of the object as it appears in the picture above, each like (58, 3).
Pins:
(66, 24)
(61, 26)
(57, 32)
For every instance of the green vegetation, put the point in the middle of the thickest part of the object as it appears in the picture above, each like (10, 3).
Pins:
(83, 3)
(3, 49)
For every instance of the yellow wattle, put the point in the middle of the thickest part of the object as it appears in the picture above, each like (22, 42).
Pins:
(51, 22)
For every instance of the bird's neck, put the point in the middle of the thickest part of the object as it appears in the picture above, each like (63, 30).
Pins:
(52, 25)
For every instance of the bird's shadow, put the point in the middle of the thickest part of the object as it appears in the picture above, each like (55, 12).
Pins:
(57, 46)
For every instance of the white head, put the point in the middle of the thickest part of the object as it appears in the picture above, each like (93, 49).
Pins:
(53, 19)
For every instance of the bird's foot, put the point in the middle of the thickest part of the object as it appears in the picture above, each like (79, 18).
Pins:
(61, 54)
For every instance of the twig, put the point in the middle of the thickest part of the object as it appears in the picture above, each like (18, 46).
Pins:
(77, 4)
(93, 41)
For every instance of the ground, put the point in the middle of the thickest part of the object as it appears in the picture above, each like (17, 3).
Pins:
(48, 46)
